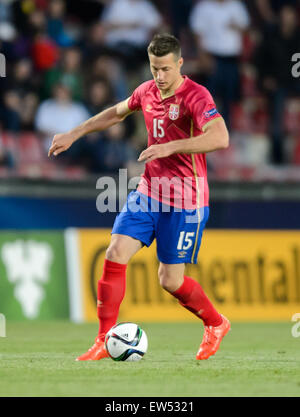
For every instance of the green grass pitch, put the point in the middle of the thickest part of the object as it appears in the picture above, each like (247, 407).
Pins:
(255, 359)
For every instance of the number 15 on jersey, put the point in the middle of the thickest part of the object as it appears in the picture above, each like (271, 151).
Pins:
(158, 130)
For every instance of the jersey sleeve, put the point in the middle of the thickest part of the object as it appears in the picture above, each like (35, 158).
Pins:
(203, 108)
(135, 100)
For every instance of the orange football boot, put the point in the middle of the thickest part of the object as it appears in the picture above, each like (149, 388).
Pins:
(212, 338)
(95, 353)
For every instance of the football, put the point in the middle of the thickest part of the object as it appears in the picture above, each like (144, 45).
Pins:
(126, 342)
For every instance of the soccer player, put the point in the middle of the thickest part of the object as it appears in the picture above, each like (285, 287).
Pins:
(183, 124)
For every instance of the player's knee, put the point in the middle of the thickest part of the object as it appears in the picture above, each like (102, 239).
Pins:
(169, 279)
(166, 281)
(114, 253)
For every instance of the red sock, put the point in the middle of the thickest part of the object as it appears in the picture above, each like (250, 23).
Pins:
(192, 297)
(111, 291)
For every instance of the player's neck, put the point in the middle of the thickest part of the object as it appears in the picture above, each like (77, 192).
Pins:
(171, 91)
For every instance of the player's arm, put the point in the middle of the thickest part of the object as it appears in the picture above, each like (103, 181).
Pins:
(103, 120)
(215, 137)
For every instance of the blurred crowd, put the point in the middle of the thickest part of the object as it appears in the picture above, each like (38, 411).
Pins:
(63, 61)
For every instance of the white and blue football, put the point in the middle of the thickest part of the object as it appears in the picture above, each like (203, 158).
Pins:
(126, 342)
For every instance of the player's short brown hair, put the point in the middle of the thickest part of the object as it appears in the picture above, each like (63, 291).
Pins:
(164, 44)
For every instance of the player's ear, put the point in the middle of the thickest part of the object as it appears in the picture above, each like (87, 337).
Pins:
(180, 62)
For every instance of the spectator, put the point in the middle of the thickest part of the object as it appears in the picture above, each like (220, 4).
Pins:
(44, 50)
(22, 79)
(180, 11)
(59, 114)
(6, 11)
(129, 25)
(7, 28)
(83, 12)
(10, 112)
(113, 151)
(269, 10)
(100, 96)
(30, 104)
(218, 26)
(106, 67)
(19, 97)
(6, 156)
(68, 73)
(25, 86)
(273, 61)
(23, 11)
(55, 24)
(94, 42)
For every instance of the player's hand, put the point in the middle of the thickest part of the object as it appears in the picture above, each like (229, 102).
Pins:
(60, 143)
(155, 151)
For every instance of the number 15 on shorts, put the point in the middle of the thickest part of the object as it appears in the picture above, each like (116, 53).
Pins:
(185, 240)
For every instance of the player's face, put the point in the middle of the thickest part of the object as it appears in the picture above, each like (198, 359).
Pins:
(166, 71)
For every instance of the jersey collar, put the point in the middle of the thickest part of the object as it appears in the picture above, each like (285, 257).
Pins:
(182, 85)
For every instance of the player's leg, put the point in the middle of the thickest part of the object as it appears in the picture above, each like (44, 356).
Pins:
(130, 232)
(182, 246)
(111, 286)
(111, 290)
(190, 295)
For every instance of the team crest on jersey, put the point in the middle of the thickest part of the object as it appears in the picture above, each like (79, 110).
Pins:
(174, 111)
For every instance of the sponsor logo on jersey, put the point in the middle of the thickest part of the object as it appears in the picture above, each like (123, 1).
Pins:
(174, 111)
(210, 113)
(148, 108)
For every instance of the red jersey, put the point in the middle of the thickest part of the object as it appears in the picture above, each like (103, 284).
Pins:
(179, 180)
